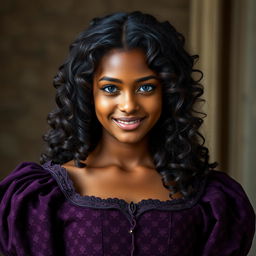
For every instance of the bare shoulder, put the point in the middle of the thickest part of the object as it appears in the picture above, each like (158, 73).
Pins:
(70, 165)
(88, 170)
(74, 172)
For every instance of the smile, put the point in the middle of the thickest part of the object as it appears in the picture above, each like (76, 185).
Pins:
(128, 125)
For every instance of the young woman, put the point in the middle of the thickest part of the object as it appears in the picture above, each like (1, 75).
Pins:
(126, 171)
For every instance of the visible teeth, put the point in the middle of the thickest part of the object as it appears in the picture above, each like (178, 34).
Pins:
(130, 122)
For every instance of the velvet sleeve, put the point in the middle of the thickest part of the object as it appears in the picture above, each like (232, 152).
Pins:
(228, 217)
(28, 198)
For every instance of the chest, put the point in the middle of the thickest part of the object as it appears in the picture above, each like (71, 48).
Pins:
(112, 183)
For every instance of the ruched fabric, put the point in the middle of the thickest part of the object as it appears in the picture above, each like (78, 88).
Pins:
(228, 217)
(41, 214)
(29, 199)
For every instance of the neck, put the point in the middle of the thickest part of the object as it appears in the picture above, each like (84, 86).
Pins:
(127, 156)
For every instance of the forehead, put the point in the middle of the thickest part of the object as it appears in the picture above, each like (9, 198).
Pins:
(123, 61)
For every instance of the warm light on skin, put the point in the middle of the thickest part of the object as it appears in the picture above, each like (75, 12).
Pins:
(133, 90)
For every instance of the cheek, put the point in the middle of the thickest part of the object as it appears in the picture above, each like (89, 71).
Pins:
(154, 106)
(156, 111)
(103, 106)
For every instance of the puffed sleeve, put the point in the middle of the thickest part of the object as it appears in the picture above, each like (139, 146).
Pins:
(228, 217)
(28, 198)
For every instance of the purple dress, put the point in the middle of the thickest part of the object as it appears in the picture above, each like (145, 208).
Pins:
(41, 214)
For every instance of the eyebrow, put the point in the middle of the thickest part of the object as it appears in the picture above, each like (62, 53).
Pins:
(142, 79)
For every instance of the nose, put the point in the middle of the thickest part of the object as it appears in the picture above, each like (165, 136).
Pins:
(128, 103)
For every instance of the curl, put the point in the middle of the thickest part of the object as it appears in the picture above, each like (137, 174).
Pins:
(176, 144)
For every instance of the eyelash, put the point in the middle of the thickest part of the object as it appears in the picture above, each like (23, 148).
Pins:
(107, 86)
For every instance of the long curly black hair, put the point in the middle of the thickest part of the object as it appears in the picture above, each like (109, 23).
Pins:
(176, 144)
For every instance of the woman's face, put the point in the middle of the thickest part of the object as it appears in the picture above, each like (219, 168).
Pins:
(125, 87)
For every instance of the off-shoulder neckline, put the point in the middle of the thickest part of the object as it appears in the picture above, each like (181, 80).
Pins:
(66, 185)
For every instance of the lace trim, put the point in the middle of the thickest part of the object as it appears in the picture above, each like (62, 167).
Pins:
(66, 185)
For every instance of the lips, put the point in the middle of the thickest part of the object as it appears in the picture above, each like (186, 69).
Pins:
(128, 123)
(127, 119)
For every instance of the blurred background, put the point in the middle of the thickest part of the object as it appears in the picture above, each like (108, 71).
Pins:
(35, 36)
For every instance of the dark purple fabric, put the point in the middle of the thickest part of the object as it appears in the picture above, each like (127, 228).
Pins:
(42, 215)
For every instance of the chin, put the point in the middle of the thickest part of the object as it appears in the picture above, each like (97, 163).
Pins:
(129, 139)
